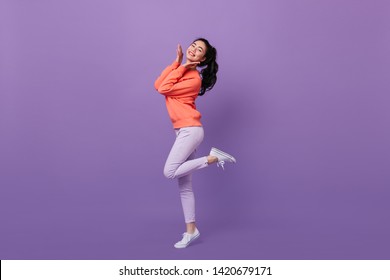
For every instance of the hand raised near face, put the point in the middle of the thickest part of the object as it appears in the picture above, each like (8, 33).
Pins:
(179, 54)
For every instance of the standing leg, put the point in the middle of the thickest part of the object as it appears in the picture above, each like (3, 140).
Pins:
(188, 203)
(187, 197)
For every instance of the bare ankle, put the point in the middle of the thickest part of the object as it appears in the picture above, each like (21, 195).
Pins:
(211, 159)
(191, 228)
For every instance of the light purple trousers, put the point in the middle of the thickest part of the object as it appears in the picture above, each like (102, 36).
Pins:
(180, 164)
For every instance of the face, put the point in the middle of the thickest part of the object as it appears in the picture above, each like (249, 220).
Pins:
(196, 51)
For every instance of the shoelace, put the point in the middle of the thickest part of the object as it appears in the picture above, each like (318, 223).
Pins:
(221, 163)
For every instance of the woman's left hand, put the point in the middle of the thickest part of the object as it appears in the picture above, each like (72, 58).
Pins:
(190, 65)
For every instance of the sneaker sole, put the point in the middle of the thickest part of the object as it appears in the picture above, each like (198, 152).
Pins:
(224, 154)
(193, 239)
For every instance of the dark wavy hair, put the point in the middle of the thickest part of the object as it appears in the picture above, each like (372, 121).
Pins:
(210, 67)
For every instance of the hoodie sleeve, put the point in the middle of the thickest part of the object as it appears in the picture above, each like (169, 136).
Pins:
(173, 85)
(165, 73)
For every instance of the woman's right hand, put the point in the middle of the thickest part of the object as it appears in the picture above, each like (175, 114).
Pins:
(179, 52)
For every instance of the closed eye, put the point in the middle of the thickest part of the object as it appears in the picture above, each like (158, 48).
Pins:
(199, 48)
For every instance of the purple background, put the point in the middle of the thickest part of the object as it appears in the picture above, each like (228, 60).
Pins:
(302, 101)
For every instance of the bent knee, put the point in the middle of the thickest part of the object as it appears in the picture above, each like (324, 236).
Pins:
(169, 173)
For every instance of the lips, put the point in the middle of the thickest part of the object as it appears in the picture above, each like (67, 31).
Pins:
(191, 53)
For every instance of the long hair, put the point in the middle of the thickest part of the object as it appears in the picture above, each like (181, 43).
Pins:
(210, 67)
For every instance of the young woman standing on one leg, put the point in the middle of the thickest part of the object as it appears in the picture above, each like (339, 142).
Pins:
(181, 84)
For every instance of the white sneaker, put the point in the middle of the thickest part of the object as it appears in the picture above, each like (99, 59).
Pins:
(222, 157)
(187, 239)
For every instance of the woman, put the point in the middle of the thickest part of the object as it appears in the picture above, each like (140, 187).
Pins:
(181, 84)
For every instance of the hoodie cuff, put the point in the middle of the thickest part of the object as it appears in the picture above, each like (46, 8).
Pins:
(175, 64)
(181, 69)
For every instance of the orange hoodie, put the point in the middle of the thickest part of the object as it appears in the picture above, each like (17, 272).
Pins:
(180, 87)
